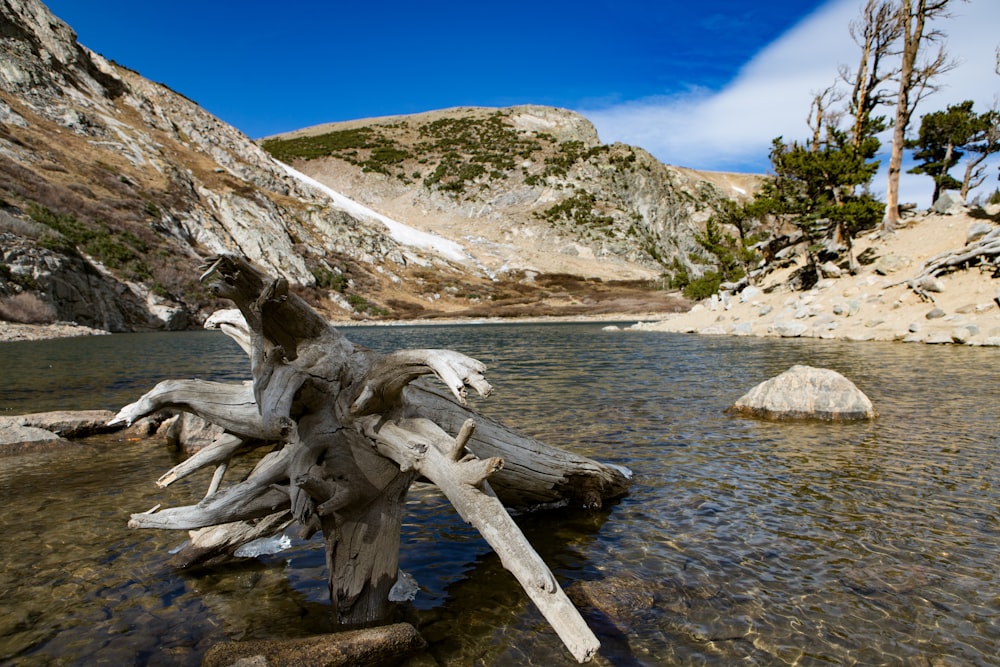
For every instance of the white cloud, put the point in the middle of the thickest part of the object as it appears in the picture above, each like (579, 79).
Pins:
(732, 129)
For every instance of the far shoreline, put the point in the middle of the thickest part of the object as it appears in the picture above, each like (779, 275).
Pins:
(13, 332)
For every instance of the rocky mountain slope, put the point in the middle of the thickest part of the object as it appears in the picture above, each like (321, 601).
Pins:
(524, 188)
(114, 190)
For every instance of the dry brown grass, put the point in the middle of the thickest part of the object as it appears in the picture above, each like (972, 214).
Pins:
(26, 308)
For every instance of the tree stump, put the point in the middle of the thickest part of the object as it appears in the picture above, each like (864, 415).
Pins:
(350, 431)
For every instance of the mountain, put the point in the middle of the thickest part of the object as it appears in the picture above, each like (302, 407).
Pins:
(114, 190)
(525, 188)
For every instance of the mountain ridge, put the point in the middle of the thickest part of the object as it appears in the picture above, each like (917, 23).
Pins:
(115, 190)
(526, 170)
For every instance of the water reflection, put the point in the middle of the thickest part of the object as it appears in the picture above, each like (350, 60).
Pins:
(742, 540)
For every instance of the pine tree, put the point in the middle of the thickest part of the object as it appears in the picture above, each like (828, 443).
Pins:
(942, 142)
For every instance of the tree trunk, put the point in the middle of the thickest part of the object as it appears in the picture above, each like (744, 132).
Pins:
(351, 432)
(914, 83)
(902, 118)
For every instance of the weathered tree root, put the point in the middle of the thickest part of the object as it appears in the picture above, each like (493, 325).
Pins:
(351, 433)
(984, 252)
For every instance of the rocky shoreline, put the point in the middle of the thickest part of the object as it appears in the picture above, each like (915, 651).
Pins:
(13, 331)
(875, 304)
(878, 303)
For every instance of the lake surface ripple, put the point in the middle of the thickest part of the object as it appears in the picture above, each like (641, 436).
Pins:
(741, 542)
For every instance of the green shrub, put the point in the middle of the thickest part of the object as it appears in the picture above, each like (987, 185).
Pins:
(322, 145)
(703, 287)
(579, 211)
(119, 250)
(331, 280)
(365, 307)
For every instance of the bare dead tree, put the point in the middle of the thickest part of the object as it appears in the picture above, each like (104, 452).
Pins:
(876, 32)
(351, 430)
(824, 116)
(917, 80)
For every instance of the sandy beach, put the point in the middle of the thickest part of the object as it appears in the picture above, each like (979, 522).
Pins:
(875, 304)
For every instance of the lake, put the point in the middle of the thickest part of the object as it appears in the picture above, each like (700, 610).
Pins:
(741, 542)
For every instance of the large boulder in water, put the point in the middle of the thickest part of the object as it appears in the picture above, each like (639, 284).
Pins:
(805, 392)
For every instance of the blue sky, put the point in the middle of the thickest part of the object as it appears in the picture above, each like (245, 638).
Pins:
(701, 84)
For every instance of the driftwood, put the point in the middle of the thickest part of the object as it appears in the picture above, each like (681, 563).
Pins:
(984, 252)
(350, 430)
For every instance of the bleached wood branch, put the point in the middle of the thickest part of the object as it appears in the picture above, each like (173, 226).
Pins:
(212, 541)
(250, 499)
(221, 450)
(420, 445)
(231, 406)
(534, 472)
(383, 384)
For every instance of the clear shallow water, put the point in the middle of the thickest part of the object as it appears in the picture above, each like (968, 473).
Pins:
(742, 541)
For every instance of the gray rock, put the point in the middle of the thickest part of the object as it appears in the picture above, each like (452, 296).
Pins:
(749, 293)
(914, 327)
(935, 313)
(190, 433)
(890, 264)
(15, 437)
(65, 423)
(930, 284)
(948, 203)
(790, 329)
(765, 310)
(830, 270)
(977, 231)
(742, 329)
(806, 392)
(939, 338)
(963, 335)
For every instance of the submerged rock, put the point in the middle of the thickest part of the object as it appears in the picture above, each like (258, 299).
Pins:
(806, 392)
(68, 423)
(384, 645)
(15, 438)
(190, 433)
(614, 597)
(19, 433)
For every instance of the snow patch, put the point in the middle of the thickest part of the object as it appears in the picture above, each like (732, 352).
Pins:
(401, 233)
